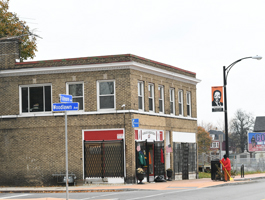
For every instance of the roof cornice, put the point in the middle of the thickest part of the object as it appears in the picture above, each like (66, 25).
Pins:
(99, 67)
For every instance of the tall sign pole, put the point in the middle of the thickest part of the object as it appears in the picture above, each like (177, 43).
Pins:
(225, 113)
(66, 105)
(66, 156)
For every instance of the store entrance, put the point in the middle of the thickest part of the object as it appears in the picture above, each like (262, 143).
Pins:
(152, 153)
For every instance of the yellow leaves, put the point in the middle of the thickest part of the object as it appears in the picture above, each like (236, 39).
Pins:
(10, 25)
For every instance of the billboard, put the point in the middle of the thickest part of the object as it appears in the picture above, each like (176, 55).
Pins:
(217, 99)
(256, 141)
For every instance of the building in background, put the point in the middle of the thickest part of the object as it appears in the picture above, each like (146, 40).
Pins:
(218, 143)
(129, 107)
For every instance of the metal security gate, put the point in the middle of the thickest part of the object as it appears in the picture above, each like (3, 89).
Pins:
(185, 159)
(159, 159)
(104, 158)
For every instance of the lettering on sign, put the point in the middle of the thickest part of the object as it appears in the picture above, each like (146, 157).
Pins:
(65, 98)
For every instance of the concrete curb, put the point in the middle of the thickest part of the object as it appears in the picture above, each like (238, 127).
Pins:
(237, 181)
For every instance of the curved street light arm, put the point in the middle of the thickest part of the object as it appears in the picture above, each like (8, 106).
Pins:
(227, 69)
(225, 74)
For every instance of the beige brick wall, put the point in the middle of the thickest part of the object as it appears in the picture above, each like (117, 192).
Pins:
(9, 51)
(32, 148)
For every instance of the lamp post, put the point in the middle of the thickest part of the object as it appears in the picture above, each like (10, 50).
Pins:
(225, 74)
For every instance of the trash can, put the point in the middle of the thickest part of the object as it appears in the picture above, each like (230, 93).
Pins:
(214, 169)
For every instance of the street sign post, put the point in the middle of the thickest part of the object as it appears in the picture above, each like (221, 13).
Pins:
(66, 105)
(64, 98)
(135, 123)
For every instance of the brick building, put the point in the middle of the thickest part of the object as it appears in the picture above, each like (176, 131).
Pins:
(111, 91)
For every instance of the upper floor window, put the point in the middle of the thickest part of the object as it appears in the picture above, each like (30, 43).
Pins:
(180, 94)
(161, 98)
(140, 95)
(35, 98)
(106, 94)
(151, 97)
(188, 104)
(77, 92)
(215, 145)
(172, 100)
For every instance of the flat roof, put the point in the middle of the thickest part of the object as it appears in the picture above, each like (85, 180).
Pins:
(99, 57)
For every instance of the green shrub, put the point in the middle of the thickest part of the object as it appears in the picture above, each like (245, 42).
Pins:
(204, 175)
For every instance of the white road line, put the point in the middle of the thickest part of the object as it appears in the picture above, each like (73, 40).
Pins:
(15, 196)
(108, 195)
(162, 194)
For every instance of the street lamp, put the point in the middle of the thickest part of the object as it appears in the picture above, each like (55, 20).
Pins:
(225, 74)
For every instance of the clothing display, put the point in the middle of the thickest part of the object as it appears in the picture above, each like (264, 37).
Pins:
(141, 159)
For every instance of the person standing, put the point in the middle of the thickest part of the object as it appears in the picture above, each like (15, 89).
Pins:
(227, 165)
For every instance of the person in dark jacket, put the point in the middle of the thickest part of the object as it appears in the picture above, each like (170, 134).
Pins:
(227, 165)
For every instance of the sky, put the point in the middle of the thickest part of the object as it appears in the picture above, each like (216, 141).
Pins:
(201, 36)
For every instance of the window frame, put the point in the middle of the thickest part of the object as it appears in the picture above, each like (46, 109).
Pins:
(188, 101)
(161, 98)
(153, 97)
(98, 95)
(180, 101)
(141, 85)
(172, 100)
(216, 145)
(67, 92)
(31, 86)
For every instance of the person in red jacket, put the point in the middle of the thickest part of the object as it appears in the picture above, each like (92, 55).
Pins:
(227, 165)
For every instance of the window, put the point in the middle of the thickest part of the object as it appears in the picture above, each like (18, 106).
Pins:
(215, 145)
(76, 90)
(106, 95)
(180, 102)
(140, 95)
(151, 97)
(172, 101)
(188, 104)
(161, 98)
(35, 98)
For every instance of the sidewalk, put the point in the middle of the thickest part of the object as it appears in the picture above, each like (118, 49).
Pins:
(169, 185)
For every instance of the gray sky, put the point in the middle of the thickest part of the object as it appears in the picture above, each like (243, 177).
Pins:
(197, 35)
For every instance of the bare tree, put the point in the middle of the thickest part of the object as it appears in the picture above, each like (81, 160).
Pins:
(218, 125)
(239, 127)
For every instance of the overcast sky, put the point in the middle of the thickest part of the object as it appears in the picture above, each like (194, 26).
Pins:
(201, 36)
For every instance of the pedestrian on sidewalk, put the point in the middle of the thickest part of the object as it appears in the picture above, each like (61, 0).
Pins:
(227, 165)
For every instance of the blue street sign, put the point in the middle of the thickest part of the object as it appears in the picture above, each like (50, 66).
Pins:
(64, 98)
(65, 106)
(135, 123)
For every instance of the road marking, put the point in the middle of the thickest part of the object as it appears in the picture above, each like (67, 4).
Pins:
(108, 195)
(15, 196)
(162, 194)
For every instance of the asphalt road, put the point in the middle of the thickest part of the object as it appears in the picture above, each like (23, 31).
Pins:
(253, 190)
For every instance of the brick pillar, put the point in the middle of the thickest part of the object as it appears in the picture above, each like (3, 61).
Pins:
(9, 52)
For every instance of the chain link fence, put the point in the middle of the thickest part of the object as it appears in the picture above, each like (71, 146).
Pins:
(250, 164)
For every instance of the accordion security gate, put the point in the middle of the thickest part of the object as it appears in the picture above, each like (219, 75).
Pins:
(103, 159)
(185, 159)
(159, 159)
